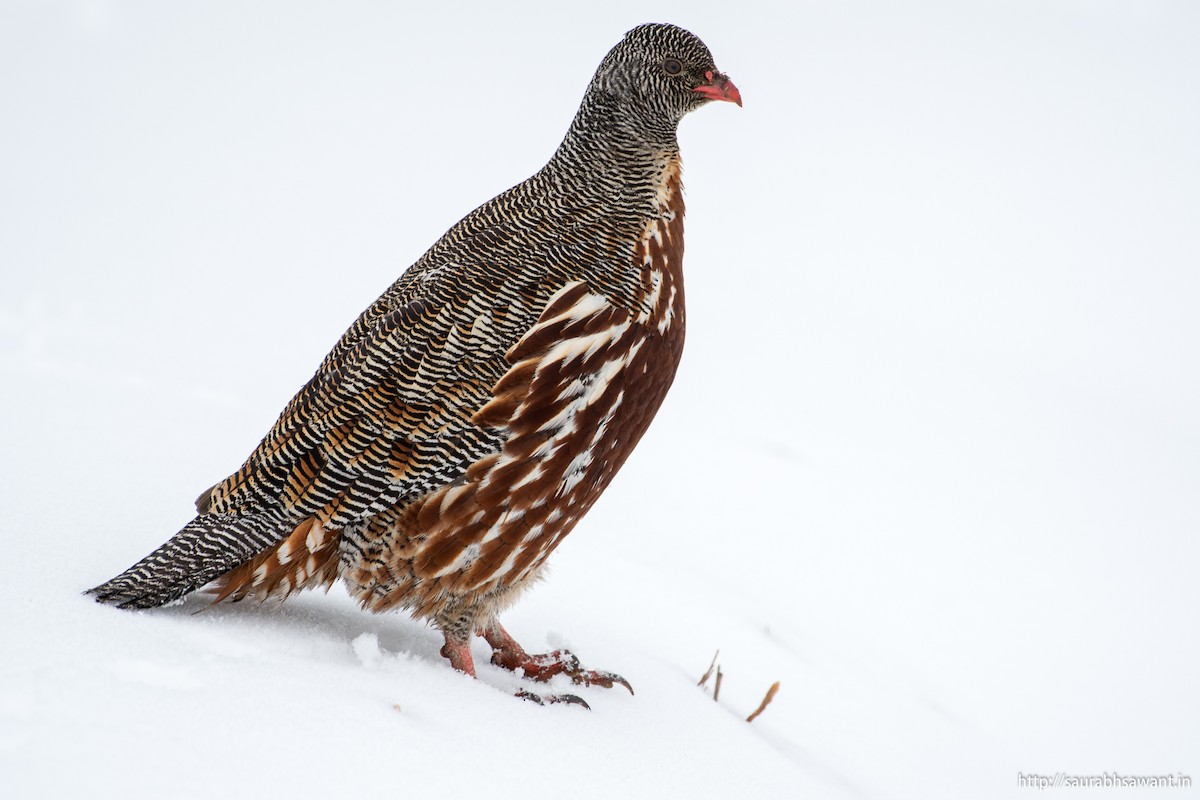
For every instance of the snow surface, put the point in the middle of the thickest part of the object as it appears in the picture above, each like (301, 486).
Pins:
(932, 460)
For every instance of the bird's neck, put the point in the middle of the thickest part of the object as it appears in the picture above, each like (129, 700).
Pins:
(613, 146)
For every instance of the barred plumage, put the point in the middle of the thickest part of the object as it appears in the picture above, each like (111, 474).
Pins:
(473, 413)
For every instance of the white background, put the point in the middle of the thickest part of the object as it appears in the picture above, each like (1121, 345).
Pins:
(932, 460)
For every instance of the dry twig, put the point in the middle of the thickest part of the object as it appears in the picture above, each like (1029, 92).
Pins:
(766, 701)
(708, 673)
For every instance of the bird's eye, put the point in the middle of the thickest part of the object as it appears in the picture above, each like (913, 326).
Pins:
(673, 66)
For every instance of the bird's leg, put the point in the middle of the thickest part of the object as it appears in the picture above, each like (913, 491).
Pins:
(458, 650)
(508, 654)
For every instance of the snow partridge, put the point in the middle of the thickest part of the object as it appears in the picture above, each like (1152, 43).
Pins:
(470, 417)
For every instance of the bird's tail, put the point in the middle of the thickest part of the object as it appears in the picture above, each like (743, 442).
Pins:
(207, 547)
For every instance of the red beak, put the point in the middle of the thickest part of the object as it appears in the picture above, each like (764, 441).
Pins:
(719, 87)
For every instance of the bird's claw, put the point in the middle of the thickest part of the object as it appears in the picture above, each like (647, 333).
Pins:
(541, 700)
(596, 677)
(585, 677)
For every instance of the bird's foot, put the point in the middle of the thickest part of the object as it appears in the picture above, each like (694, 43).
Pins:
(507, 654)
(544, 666)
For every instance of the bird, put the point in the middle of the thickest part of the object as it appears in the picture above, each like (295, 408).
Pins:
(467, 420)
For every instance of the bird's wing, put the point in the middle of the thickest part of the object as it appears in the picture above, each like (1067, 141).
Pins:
(388, 414)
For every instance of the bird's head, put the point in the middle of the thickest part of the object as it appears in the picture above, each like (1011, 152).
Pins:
(663, 71)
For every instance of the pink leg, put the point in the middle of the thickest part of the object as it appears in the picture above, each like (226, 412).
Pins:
(459, 654)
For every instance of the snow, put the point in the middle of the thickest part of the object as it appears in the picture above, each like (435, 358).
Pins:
(932, 460)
